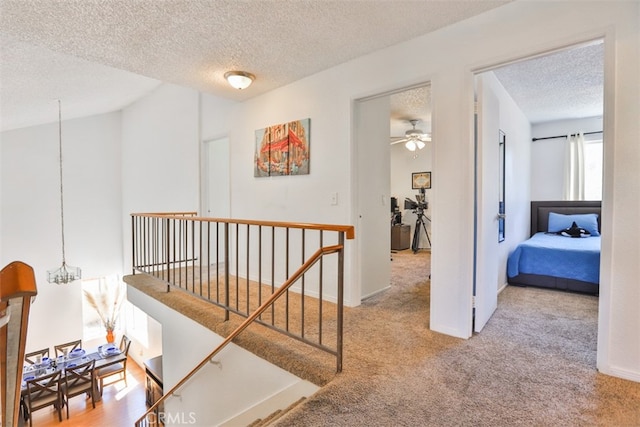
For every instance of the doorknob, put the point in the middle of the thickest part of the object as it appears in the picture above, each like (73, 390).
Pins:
(501, 216)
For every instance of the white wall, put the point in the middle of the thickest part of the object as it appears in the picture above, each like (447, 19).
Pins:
(160, 156)
(238, 381)
(31, 214)
(548, 156)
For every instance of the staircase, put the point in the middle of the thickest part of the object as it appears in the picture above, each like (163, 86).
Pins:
(185, 252)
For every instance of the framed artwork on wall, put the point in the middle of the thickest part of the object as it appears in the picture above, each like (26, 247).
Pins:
(282, 149)
(420, 180)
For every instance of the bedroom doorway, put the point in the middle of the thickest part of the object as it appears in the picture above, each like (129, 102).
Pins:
(381, 121)
(540, 101)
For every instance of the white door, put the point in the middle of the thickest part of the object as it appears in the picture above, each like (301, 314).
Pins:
(373, 227)
(216, 194)
(216, 179)
(487, 203)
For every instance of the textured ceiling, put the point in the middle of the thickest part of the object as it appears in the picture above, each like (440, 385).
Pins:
(567, 84)
(99, 56)
(192, 43)
(564, 85)
(412, 104)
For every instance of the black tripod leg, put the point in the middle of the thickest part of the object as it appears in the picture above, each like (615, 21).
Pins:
(415, 244)
(424, 226)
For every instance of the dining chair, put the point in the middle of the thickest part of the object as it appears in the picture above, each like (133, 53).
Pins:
(32, 358)
(60, 348)
(42, 392)
(119, 368)
(79, 379)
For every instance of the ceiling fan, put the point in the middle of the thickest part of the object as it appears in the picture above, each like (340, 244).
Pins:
(413, 138)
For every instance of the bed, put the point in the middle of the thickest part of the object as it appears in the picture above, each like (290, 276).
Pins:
(550, 260)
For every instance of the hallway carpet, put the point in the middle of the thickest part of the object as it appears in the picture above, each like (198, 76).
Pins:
(534, 364)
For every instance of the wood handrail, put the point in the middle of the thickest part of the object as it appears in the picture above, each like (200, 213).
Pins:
(285, 286)
(17, 281)
(349, 230)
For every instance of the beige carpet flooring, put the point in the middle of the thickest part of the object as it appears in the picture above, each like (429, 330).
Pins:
(532, 365)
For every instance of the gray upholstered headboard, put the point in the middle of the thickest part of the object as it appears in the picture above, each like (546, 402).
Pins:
(540, 211)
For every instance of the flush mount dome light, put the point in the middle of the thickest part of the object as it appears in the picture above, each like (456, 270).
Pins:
(239, 79)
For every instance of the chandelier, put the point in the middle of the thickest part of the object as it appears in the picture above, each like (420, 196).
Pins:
(66, 273)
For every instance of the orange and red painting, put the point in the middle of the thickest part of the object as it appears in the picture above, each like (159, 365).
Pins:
(283, 149)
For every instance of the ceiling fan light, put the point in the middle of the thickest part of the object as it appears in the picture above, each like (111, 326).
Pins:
(239, 79)
(411, 146)
(420, 144)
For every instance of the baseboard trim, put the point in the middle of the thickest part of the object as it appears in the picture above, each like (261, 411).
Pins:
(625, 374)
(372, 294)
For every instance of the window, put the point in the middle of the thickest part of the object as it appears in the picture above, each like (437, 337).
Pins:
(593, 169)
(137, 324)
(93, 327)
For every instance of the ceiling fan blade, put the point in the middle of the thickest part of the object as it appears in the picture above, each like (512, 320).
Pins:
(398, 141)
(425, 137)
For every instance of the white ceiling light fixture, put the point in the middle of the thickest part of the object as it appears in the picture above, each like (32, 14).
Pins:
(414, 139)
(66, 273)
(412, 145)
(239, 79)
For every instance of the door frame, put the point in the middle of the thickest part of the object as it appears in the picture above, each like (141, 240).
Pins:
(608, 119)
(360, 175)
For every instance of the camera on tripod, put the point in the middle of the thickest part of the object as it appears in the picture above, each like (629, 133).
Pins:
(419, 205)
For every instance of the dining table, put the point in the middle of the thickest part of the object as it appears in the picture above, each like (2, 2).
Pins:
(104, 355)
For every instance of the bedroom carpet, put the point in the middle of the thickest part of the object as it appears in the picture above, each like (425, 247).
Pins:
(532, 365)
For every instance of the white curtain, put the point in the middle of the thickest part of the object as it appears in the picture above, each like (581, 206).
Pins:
(574, 167)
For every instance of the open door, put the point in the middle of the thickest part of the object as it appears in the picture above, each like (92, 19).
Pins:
(373, 195)
(487, 204)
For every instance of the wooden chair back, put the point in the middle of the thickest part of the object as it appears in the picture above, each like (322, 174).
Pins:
(80, 379)
(44, 391)
(119, 369)
(32, 358)
(69, 346)
(125, 343)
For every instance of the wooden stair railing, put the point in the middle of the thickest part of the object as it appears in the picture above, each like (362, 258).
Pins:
(235, 264)
(17, 287)
(142, 421)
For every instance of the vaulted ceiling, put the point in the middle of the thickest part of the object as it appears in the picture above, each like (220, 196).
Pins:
(101, 56)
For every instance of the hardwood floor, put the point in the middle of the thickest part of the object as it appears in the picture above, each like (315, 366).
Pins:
(120, 405)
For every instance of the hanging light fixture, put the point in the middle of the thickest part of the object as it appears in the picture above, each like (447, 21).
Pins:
(66, 273)
(239, 79)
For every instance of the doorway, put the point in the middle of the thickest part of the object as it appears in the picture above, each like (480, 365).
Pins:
(385, 169)
(216, 194)
(554, 94)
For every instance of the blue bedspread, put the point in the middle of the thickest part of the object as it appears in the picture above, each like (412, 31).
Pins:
(558, 256)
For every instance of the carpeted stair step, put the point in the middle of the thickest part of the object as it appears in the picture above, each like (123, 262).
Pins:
(263, 422)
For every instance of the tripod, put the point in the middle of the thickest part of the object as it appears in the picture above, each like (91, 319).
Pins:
(420, 221)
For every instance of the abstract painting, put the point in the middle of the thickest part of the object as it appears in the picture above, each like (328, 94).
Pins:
(282, 149)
